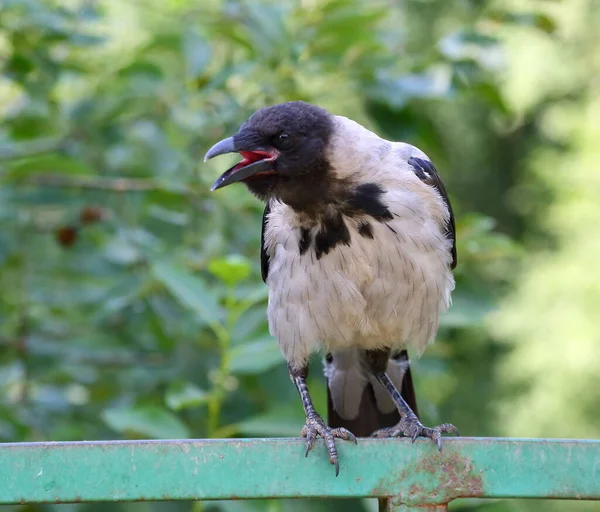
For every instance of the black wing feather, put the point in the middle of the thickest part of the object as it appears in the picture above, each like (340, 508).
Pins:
(426, 172)
(369, 417)
(264, 257)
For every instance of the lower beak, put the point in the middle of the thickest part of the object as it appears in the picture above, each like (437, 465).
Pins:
(238, 172)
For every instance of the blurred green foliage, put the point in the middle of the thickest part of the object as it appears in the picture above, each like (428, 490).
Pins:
(132, 304)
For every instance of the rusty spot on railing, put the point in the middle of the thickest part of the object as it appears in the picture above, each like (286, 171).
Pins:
(456, 474)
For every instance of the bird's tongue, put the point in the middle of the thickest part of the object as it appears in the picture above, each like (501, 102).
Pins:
(251, 157)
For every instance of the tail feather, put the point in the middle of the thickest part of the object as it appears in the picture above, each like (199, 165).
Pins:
(371, 410)
(369, 417)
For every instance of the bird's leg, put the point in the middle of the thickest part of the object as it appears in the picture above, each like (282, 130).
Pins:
(409, 425)
(314, 423)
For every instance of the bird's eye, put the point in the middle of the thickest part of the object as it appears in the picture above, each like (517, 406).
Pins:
(283, 140)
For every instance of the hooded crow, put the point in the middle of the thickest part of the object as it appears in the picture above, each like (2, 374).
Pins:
(357, 249)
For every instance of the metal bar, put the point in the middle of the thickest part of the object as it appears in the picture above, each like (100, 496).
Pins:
(413, 474)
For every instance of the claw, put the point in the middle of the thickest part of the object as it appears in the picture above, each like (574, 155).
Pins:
(411, 427)
(316, 426)
(310, 439)
(344, 434)
(448, 428)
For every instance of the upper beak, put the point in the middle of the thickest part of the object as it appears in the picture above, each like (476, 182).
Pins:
(220, 148)
(245, 168)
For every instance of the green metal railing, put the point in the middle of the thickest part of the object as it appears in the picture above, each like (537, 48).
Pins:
(404, 476)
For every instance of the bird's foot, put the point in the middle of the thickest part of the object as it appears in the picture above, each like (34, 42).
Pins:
(316, 426)
(411, 427)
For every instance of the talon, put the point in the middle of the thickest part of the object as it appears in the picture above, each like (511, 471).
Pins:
(411, 427)
(449, 429)
(345, 434)
(316, 426)
(310, 440)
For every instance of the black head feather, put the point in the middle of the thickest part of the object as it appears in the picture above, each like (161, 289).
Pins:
(299, 133)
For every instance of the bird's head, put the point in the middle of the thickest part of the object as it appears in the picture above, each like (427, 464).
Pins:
(283, 149)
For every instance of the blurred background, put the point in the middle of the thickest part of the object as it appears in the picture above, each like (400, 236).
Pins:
(132, 304)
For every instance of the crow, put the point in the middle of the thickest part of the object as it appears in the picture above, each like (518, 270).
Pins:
(357, 250)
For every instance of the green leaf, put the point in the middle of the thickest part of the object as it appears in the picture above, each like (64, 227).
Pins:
(241, 506)
(196, 52)
(396, 91)
(184, 396)
(466, 311)
(83, 40)
(168, 215)
(255, 356)
(472, 46)
(538, 20)
(150, 421)
(252, 293)
(232, 269)
(29, 148)
(249, 322)
(280, 422)
(267, 27)
(46, 164)
(122, 252)
(189, 290)
(19, 65)
(141, 69)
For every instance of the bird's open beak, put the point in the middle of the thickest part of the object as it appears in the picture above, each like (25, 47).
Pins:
(255, 161)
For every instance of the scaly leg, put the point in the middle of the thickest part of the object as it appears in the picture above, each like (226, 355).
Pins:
(314, 423)
(409, 425)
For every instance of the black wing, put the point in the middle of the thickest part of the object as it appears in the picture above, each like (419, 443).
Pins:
(264, 257)
(426, 172)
